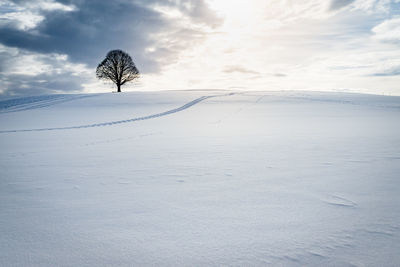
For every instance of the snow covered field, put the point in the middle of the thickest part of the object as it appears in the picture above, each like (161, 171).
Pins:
(200, 178)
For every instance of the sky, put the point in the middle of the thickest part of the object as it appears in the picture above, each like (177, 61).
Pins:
(49, 46)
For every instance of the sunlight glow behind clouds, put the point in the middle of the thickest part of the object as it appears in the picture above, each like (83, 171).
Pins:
(278, 45)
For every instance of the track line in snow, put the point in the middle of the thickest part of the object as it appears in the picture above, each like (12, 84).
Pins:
(157, 115)
(35, 102)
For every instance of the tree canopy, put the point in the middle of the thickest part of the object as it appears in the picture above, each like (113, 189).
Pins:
(117, 67)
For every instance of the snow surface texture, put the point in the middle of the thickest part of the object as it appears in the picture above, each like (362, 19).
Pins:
(200, 178)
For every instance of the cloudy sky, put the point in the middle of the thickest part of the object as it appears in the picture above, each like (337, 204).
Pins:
(54, 46)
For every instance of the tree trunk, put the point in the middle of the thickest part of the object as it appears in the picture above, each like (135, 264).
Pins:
(119, 88)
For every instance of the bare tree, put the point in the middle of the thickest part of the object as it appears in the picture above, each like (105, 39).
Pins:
(117, 67)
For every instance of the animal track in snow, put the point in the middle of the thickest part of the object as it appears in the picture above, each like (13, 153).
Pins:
(340, 201)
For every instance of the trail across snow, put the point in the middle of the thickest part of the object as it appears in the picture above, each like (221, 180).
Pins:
(35, 102)
(56, 100)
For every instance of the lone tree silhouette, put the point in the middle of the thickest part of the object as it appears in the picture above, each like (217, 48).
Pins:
(117, 67)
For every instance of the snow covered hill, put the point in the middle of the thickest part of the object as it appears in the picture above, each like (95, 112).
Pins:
(200, 178)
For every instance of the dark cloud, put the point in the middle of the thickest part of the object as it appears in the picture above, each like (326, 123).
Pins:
(338, 4)
(94, 27)
(97, 26)
(280, 75)
(240, 69)
(257, 75)
(391, 72)
(20, 85)
(199, 12)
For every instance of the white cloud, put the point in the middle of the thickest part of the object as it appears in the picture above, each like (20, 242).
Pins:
(388, 30)
(374, 6)
(27, 15)
(22, 20)
(388, 67)
(51, 6)
(168, 11)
